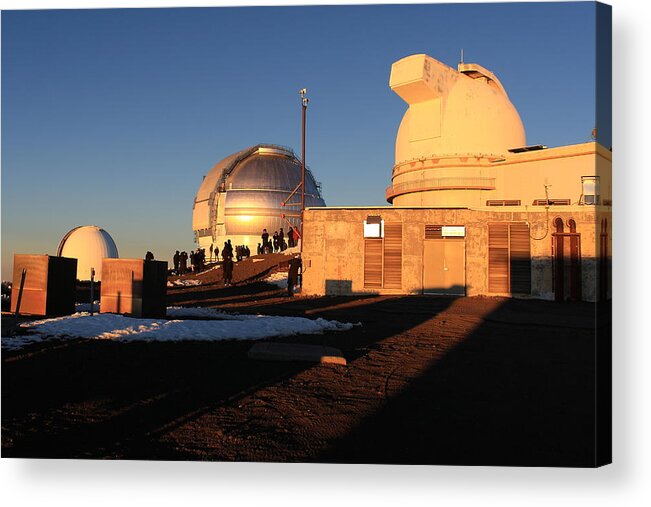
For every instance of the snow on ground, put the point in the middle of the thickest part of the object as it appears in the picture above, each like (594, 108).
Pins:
(208, 270)
(181, 312)
(279, 279)
(184, 283)
(220, 326)
(85, 307)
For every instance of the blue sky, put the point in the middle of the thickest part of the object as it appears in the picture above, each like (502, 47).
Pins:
(112, 117)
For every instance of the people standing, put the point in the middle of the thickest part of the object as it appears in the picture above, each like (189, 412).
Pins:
(275, 241)
(281, 240)
(292, 275)
(290, 237)
(199, 257)
(211, 247)
(227, 267)
(177, 262)
(265, 240)
(149, 256)
(184, 262)
(227, 264)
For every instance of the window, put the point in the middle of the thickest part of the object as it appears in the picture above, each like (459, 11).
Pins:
(433, 232)
(551, 202)
(572, 225)
(590, 190)
(503, 202)
(373, 227)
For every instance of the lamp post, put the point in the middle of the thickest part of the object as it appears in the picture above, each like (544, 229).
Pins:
(304, 102)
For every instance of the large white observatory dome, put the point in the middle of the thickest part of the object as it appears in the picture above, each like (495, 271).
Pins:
(88, 244)
(453, 112)
(459, 122)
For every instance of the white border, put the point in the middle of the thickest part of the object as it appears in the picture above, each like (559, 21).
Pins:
(626, 482)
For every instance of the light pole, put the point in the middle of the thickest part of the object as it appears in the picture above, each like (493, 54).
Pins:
(304, 102)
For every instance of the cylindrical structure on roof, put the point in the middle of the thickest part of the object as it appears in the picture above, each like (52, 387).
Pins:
(243, 194)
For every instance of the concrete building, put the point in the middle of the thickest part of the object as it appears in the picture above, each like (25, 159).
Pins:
(88, 244)
(475, 210)
(243, 193)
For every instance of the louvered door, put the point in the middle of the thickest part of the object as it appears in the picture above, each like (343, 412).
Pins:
(520, 258)
(373, 263)
(509, 258)
(498, 258)
(392, 255)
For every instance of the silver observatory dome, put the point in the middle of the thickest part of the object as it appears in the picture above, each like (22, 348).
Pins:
(243, 193)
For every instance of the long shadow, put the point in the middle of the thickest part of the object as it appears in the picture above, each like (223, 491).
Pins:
(308, 306)
(224, 301)
(512, 393)
(217, 294)
(257, 293)
(106, 399)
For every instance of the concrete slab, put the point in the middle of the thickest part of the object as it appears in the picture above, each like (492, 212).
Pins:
(270, 351)
(333, 360)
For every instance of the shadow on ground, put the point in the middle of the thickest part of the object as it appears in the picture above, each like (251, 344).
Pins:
(430, 380)
(106, 399)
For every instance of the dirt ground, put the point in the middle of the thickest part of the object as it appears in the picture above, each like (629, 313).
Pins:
(429, 380)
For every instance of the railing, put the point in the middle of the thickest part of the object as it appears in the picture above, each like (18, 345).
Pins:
(439, 184)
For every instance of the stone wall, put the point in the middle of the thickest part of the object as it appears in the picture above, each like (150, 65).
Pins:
(333, 251)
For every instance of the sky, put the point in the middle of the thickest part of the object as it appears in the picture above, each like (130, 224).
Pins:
(112, 117)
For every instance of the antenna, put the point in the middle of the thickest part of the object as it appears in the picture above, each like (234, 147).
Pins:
(461, 62)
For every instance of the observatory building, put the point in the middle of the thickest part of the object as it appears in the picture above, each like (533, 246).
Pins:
(243, 194)
(475, 210)
(88, 244)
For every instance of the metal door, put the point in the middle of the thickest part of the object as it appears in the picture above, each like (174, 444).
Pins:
(444, 267)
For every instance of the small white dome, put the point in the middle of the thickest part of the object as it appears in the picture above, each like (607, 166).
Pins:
(88, 244)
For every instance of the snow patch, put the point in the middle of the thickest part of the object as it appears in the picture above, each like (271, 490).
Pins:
(220, 326)
(279, 279)
(208, 270)
(180, 312)
(184, 283)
